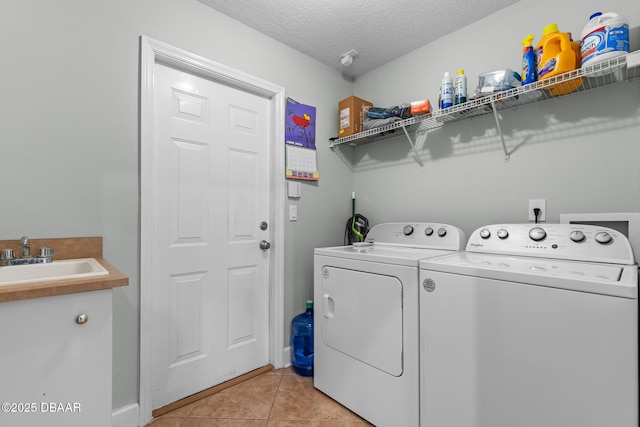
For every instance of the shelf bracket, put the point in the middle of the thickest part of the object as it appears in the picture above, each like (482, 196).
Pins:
(413, 147)
(497, 117)
(336, 149)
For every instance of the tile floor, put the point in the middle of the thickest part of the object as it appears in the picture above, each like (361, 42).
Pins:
(279, 398)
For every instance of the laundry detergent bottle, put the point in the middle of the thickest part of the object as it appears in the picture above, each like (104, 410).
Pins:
(605, 36)
(556, 53)
(302, 342)
(528, 60)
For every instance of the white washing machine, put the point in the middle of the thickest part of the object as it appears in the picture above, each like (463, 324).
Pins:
(534, 325)
(366, 319)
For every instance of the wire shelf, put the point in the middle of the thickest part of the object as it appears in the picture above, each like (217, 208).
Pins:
(616, 70)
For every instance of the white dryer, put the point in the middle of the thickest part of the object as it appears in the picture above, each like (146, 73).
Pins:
(534, 325)
(366, 319)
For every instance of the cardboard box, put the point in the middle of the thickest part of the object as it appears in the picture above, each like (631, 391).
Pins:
(352, 112)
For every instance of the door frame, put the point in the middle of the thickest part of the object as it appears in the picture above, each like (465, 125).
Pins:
(152, 52)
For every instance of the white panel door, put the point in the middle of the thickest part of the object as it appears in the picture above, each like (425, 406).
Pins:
(210, 279)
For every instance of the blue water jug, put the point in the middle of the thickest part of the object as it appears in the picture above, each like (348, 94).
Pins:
(302, 342)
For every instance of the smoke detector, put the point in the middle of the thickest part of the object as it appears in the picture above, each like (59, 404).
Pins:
(347, 58)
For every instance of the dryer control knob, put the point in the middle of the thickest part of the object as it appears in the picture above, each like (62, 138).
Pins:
(428, 231)
(485, 233)
(603, 237)
(502, 233)
(442, 232)
(577, 236)
(408, 229)
(537, 234)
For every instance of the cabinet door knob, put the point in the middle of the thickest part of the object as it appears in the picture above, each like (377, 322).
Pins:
(82, 319)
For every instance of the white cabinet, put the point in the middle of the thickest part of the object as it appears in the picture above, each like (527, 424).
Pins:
(56, 370)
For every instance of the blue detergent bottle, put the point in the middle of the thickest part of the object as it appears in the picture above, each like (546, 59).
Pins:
(302, 342)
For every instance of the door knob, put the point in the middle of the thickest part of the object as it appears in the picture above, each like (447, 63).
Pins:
(265, 245)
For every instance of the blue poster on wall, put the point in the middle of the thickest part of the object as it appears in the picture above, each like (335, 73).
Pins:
(300, 138)
(300, 129)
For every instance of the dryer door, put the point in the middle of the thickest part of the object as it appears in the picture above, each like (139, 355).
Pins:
(362, 317)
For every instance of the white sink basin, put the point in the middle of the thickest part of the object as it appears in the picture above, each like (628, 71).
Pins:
(56, 270)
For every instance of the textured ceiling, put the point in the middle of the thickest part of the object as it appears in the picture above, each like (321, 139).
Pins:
(379, 30)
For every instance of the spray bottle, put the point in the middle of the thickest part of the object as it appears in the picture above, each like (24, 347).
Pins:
(528, 60)
(460, 88)
(446, 92)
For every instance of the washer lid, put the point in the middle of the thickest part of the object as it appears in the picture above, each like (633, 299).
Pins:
(606, 279)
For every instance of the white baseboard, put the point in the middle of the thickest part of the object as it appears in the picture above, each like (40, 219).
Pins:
(127, 416)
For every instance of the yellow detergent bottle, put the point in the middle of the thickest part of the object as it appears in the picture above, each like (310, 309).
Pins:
(556, 53)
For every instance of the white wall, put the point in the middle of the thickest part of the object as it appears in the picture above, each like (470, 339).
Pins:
(580, 153)
(70, 123)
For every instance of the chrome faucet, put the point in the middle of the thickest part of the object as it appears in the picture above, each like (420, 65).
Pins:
(7, 256)
(26, 247)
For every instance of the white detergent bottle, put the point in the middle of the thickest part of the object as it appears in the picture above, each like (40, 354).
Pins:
(446, 92)
(605, 36)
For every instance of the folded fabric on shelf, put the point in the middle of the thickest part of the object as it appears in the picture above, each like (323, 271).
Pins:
(402, 111)
(369, 124)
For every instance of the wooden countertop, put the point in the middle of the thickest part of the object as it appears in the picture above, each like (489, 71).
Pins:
(65, 248)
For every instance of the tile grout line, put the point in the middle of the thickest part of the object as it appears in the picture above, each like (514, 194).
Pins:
(274, 399)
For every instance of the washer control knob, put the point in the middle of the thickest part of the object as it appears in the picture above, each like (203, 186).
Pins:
(485, 233)
(537, 234)
(603, 237)
(442, 231)
(408, 230)
(428, 231)
(577, 236)
(502, 233)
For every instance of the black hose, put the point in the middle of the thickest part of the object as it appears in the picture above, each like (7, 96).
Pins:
(361, 225)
